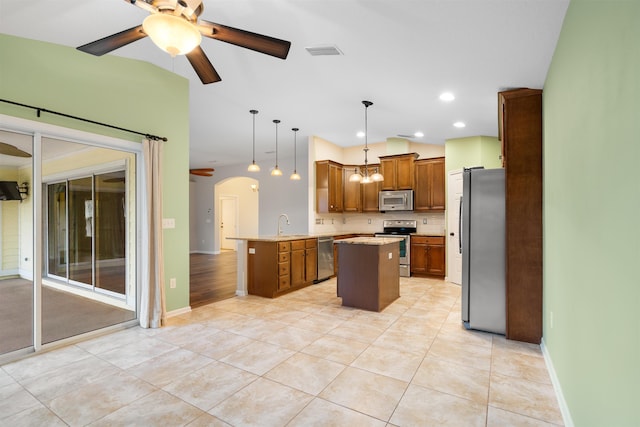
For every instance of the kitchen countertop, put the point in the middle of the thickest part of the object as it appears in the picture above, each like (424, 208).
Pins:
(289, 237)
(375, 241)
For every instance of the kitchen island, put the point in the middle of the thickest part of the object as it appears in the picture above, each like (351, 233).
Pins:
(369, 272)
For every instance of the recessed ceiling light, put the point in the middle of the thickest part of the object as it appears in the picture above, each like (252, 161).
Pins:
(418, 134)
(360, 134)
(459, 124)
(447, 96)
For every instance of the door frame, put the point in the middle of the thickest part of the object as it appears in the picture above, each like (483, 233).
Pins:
(453, 236)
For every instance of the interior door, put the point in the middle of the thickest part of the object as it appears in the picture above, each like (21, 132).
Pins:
(454, 255)
(228, 226)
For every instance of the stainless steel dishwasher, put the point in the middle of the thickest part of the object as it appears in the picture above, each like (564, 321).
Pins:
(325, 258)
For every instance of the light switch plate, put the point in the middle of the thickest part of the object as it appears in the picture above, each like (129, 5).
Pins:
(390, 255)
(168, 223)
(252, 250)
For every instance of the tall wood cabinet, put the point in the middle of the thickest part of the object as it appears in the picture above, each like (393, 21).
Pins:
(520, 130)
(369, 192)
(397, 171)
(429, 193)
(328, 186)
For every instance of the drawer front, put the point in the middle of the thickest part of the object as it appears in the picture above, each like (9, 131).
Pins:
(284, 282)
(284, 246)
(283, 268)
(310, 243)
(297, 245)
(283, 256)
(428, 240)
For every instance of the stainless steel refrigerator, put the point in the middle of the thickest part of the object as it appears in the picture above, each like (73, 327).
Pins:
(482, 236)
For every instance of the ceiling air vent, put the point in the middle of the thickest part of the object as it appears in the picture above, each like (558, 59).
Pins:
(323, 50)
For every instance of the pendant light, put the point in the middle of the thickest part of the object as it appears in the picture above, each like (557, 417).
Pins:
(294, 176)
(253, 167)
(365, 178)
(276, 171)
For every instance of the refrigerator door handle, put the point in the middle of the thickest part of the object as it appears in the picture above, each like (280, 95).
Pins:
(460, 225)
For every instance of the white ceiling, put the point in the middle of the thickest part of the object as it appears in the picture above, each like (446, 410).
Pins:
(399, 54)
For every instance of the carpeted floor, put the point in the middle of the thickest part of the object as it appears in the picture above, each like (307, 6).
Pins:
(63, 314)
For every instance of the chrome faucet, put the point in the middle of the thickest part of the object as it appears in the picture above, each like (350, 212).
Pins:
(280, 228)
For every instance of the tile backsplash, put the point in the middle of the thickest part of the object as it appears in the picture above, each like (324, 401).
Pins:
(372, 222)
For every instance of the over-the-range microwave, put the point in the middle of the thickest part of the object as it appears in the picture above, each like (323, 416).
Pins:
(397, 200)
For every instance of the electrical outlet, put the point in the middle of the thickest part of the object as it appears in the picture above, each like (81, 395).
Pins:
(369, 221)
(390, 255)
(172, 283)
(424, 220)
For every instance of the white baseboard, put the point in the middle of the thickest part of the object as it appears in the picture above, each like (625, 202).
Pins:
(178, 311)
(564, 408)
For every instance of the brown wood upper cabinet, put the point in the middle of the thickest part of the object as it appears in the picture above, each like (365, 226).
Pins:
(397, 171)
(352, 190)
(428, 188)
(329, 186)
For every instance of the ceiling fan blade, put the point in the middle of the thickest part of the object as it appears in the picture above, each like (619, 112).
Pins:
(257, 42)
(114, 41)
(200, 172)
(10, 150)
(203, 66)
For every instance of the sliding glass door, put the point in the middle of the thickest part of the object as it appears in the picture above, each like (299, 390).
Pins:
(87, 233)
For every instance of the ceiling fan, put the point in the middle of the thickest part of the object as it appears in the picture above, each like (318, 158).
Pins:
(10, 150)
(202, 172)
(173, 26)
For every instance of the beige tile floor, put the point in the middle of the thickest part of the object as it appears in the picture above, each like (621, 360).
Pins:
(298, 360)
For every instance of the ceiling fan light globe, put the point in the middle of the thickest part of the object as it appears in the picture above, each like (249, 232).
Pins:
(295, 176)
(276, 172)
(377, 177)
(253, 168)
(172, 34)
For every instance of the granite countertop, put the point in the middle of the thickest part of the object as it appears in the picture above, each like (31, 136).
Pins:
(289, 237)
(376, 241)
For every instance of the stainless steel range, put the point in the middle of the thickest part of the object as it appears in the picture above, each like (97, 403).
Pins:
(401, 228)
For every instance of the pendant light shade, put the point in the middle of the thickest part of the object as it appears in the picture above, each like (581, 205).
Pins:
(295, 176)
(253, 167)
(173, 34)
(276, 171)
(365, 178)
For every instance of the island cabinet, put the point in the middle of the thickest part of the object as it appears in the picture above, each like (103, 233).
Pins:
(304, 262)
(329, 183)
(429, 195)
(369, 273)
(278, 267)
(427, 256)
(398, 171)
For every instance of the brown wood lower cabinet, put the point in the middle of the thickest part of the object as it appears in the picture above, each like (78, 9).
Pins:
(274, 268)
(428, 256)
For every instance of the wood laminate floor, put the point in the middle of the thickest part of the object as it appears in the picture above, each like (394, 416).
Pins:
(212, 277)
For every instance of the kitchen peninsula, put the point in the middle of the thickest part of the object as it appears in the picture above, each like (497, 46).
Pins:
(369, 272)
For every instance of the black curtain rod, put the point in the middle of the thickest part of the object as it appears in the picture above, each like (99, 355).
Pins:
(39, 110)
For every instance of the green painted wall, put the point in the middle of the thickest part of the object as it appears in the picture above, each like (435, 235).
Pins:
(591, 106)
(123, 92)
(472, 151)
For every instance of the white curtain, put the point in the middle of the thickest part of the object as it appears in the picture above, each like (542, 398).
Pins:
(152, 303)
